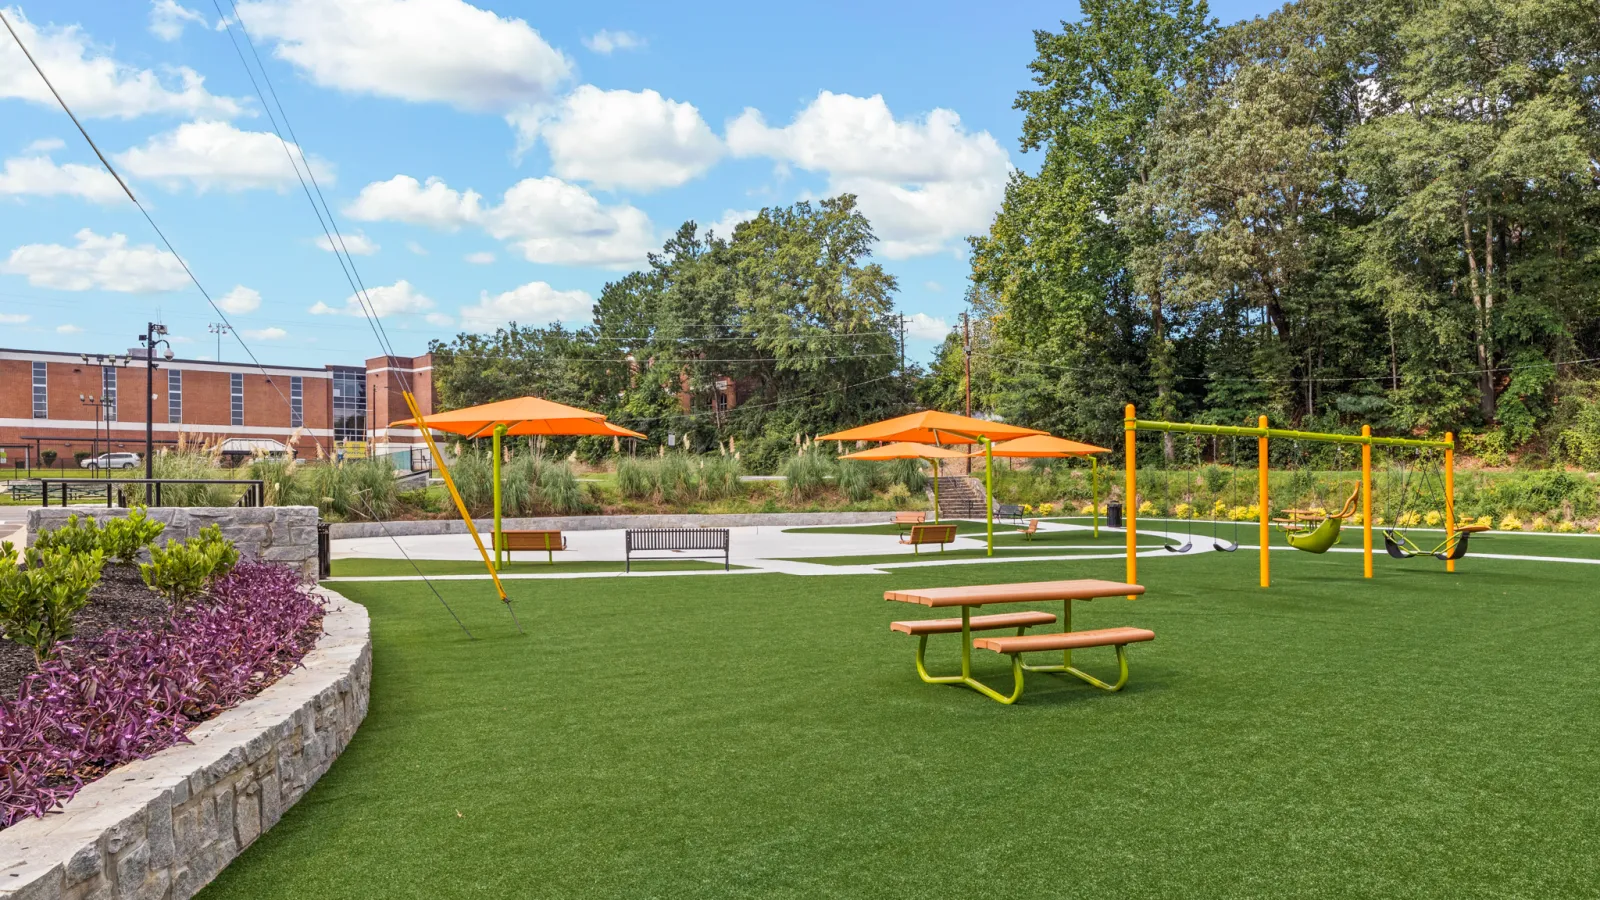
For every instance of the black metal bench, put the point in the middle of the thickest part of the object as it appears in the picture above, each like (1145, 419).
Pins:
(1009, 511)
(677, 540)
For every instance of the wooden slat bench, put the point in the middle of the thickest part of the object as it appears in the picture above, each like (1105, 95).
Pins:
(1018, 621)
(929, 534)
(548, 541)
(1014, 646)
(676, 540)
(906, 519)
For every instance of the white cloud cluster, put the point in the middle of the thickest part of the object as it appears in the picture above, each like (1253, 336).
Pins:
(439, 51)
(210, 154)
(240, 300)
(923, 183)
(535, 303)
(606, 42)
(97, 262)
(548, 220)
(621, 139)
(723, 227)
(355, 243)
(399, 298)
(273, 333)
(93, 83)
(40, 176)
(924, 327)
(14, 318)
(167, 19)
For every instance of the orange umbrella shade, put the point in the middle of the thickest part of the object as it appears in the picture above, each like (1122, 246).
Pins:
(1045, 445)
(905, 450)
(932, 427)
(618, 431)
(523, 416)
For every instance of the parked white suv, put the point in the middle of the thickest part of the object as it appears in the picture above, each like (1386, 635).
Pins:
(112, 461)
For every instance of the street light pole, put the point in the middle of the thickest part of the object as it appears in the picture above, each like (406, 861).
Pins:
(149, 340)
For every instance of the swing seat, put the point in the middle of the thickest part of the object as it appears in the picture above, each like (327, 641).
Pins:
(1395, 548)
(1319, 539)
(1222, 546)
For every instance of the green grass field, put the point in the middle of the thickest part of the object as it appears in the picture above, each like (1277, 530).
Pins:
(1419, 735)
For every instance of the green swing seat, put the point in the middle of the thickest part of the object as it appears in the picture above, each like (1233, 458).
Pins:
(1319, 539)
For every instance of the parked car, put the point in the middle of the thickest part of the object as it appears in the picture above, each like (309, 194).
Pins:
(112, 461)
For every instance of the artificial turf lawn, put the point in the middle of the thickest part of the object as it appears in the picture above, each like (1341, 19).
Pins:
(355, 568)
(1418, 735)
(968, 552)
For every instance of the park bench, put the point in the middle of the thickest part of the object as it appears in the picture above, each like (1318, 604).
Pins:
(676, 540)
(929, 534)
(906, 519)
(1030, 592)
(1009, 511)
(1031, 530)
(548, 541)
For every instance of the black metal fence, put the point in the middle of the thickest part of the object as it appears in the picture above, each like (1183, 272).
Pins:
(115, 489)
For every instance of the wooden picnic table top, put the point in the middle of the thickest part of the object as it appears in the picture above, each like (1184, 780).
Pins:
(980, 594)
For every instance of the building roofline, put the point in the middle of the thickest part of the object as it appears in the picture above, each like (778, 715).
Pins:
(68, 356)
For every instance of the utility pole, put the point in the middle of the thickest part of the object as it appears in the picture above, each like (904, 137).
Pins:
(903, 380)
(149, 339)
(219, 329)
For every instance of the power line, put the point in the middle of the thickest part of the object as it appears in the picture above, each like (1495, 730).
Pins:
(146, 213)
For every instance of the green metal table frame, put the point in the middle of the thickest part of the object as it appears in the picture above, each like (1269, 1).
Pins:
(1065, 667)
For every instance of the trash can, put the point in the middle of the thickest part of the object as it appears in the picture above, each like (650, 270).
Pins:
(324, 552)
(1113, 515)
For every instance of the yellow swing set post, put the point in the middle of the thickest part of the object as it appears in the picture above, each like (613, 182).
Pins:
(450, 485)
(1366, 503)
(1265, 515)
(1130, 491)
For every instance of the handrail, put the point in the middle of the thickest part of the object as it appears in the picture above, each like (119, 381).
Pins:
(255, 491)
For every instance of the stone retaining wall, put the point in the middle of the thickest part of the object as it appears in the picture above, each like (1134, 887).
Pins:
(284, 534)
(340, 530)
(163, 827)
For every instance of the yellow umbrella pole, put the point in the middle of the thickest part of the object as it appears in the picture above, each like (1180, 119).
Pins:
(1094, 491)
(499, 432)
(988, 488)
(935, 491)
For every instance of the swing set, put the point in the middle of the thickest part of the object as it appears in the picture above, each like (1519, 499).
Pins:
(1312, 530)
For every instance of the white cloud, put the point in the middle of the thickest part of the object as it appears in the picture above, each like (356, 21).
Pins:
(40, 176)
(357, 244)
(14, 318)
(933, 286)
(93, 83)
(621, 139)
(723, 227)
(605, 41)
(551, 221)
(443, 51)
(265, 334)
(923, 183)
(68, 329)
(240, 300)
(216, 155)
(44, 145)
(386, 300)
(535, 303)
(439, 319)
(482, 258)
(403, 199)
(546, 219)
(167, 19)
(924, 327)
(106, 263)
(416, 248)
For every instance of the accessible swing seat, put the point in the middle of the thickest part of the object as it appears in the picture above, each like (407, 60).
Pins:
(1453, 547)
(1321, 538)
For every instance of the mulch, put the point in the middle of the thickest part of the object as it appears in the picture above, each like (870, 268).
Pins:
(121, 600)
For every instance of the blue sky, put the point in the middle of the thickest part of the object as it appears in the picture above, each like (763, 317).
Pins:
(498, 161)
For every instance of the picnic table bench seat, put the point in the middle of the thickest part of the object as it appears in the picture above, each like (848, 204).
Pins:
(1067, 640)
(976, 623)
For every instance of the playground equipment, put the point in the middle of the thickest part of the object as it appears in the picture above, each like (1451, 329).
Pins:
(1263, 434)
(1396, 538)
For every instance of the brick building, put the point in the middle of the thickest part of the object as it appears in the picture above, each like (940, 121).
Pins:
(90, 403)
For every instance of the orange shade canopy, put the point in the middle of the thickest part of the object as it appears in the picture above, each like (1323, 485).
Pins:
(905, 450)
(521, 416)
(932, 427)
(1045, 445)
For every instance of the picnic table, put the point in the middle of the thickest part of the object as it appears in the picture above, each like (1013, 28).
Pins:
(969, 598)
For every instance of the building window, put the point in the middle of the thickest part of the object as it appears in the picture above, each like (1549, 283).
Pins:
(349, 404)
(236, 389)
(41, 391)
(174, 395)
(297, 409)
(108, 391)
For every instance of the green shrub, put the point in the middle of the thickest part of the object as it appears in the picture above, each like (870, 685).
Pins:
(278, 478)
(76, 536)
(559, 490)
(858, 480)
(636, 478)
(806, 474)
(719, 478)
(910, 474)
(474, 477)
(675, 478)
(123, 538)
(48, 457)
(181, 571)
(187, 464)
(39, 604)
